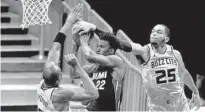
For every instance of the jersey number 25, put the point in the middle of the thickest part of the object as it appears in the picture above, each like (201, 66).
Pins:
(165, 73)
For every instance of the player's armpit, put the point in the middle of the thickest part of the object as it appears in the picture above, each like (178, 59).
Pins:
(118, 68)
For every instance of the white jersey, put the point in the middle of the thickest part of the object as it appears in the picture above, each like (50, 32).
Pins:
(161, 76)
(44, 98)
(165, 74)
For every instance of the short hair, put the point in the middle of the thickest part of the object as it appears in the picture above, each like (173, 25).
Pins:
(167, 30)
(111, 38)
(51, 75)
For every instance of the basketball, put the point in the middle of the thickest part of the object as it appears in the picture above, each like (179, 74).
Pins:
(76, 29)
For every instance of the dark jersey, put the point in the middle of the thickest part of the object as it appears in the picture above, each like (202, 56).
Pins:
(102, 78)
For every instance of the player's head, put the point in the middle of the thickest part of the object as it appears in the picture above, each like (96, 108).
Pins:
(159, 34)
(107, 44)
(52, 75)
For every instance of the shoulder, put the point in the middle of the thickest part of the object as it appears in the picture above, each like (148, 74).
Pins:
(177, 54)
(171, 48)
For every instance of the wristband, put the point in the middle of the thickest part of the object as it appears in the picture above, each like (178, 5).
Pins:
(60, 38)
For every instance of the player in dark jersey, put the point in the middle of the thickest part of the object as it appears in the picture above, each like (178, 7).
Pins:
(106, 70)
(159, 47)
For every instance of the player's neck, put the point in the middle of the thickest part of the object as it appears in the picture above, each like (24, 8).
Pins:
(160, 49)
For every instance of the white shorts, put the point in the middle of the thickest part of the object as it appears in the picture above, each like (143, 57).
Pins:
(176, 102)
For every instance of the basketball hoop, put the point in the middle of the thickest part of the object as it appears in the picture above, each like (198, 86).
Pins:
(35, 12)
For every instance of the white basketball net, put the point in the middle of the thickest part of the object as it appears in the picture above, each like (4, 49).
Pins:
(35, 12)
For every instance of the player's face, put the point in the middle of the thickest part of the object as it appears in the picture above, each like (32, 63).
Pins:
(103, 48)
(158, 34)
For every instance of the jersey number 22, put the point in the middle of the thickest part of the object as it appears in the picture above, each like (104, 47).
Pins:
(100, 84)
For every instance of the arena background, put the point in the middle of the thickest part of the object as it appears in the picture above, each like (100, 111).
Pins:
(20, 71)
(184, 18)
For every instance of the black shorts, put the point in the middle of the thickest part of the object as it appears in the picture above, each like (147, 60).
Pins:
(96, 106)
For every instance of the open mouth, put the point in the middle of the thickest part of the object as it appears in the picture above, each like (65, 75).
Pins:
(154, 43)
(155, 38)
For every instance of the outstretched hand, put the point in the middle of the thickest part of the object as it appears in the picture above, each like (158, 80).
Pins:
(76, 14)
(71, 60)
(195, 101)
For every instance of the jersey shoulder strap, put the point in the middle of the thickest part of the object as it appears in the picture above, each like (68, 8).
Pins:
(46, 91)
(150, 53)
(171, 51)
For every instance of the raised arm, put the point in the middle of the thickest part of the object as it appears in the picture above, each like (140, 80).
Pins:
(54, 53)
(89, 91)
(126, 46)
(123, 45)
(187, 79)
(91, 56)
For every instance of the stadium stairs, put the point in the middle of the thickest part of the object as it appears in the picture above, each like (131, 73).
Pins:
(20, 73)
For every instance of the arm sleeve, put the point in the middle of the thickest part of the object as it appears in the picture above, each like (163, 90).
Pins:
(60, 38)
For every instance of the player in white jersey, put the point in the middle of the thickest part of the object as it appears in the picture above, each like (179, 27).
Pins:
(164, 86)
(164, 71)
(52, 97)
(164, 82)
